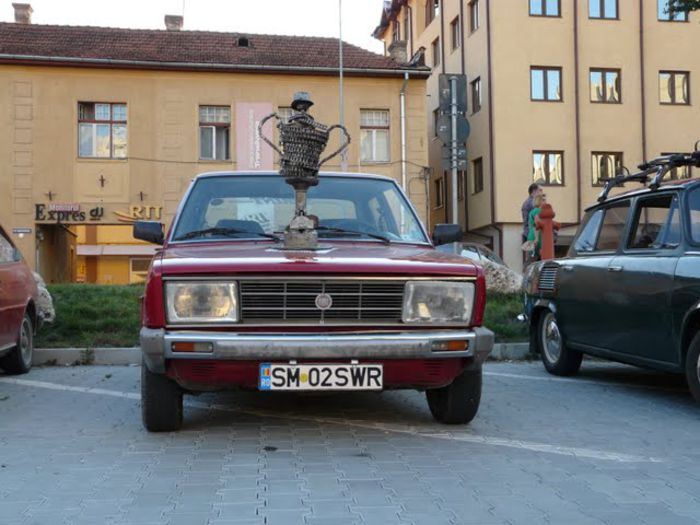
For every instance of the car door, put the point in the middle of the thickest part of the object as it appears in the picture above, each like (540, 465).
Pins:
(584, 309)
(642, 276)
(7, 290)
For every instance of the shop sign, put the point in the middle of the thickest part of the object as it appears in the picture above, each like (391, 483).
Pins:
(21, 232)
(140, 213)
(72, 212)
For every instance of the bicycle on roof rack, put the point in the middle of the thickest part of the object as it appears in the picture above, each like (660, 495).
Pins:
(655, 168)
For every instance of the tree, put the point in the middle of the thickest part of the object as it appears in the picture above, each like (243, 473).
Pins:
(683, 5)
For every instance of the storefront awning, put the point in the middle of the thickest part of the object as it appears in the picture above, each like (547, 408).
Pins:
(116, 249)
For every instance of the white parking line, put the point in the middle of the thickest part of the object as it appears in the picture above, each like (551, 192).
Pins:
(583, 381)
(425, 431)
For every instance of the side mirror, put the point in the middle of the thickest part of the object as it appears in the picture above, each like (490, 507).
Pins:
(150, 231)
(447, 233)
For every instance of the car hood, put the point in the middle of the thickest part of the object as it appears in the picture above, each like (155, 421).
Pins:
(348, 258)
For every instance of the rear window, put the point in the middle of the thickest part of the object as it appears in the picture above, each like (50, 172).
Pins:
(694, 208)
(585, 242)
(614, 220)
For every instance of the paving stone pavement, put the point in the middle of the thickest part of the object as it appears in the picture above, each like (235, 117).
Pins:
(614, 445)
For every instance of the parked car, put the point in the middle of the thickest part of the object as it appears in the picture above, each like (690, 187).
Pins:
(375, 307)
(629, 289)
(499, 277)
(18, 309)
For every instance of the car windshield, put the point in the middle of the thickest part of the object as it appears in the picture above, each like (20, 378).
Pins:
(257, 206)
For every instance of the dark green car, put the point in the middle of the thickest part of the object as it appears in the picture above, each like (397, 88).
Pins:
(629, 288)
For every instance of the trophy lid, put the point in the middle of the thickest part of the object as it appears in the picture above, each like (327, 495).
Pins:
(302, 101)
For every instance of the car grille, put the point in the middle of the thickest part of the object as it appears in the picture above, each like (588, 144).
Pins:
(294, 301)
(548, 278)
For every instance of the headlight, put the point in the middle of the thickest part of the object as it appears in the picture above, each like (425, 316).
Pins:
(438, 302)
(201, 302)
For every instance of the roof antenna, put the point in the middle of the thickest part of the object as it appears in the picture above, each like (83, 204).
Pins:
(343, 155)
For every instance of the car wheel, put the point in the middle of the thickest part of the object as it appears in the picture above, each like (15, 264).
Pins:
(19, 360)
(692, 367)
(458, 402)
(161, 402)
(557, 358)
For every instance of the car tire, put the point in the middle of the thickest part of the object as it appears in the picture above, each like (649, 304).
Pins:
(558, 359)
(692, 367)
(458, 402)
(161, 402)
(19, 360)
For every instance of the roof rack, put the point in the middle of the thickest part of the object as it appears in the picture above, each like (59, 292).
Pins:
(657, 167)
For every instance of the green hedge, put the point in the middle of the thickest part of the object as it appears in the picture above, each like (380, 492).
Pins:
(96, 316)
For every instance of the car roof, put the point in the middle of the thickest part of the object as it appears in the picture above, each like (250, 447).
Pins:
(324, 174)
(668, 185)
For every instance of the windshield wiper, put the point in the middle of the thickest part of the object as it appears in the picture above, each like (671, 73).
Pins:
(228, 232)
(354, 232)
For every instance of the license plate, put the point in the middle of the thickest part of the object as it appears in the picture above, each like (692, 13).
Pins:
(320, 377)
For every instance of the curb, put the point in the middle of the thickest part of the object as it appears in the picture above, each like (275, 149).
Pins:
(132, 355)
(86, 356)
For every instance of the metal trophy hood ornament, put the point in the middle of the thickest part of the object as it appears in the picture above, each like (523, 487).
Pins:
(302, 140)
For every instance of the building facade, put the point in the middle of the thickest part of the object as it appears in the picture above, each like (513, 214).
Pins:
(97, 136)
(563, 93)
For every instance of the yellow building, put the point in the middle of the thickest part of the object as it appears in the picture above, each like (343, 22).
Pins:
(561, 92)
(105, 126)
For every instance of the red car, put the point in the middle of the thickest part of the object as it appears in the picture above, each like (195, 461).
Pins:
(18, 310)
(375, 307)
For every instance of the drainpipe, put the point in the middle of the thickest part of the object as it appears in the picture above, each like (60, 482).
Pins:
(402, 98)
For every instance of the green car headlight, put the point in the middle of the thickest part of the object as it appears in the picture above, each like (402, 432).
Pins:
(201, 302)
(438, 302)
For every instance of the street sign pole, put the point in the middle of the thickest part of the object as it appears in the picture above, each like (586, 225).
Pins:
(453, 88)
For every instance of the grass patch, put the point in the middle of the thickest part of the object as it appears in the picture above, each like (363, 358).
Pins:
(500, 317)
(90, 316)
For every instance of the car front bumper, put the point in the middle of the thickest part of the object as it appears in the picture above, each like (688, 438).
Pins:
(157, 345)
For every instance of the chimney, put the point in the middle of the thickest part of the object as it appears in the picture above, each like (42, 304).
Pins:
(397, 51)
(23, 13)
(173, 22)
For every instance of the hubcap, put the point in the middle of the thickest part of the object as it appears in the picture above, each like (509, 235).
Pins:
(25, 342)
(551, 338)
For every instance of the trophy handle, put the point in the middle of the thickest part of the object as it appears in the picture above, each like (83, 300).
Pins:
(260, 132)
(342, 148)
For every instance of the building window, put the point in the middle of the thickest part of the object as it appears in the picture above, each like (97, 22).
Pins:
(473, 15)
(674, 87)
(460, 185)
(544, 8)
(605, 165)
(436, 116)
(478, 171)
(432, 10)
(603, 9)
(545, 83)
(102, 130)
(668, 14)
(138, 270)
(455, 33)
(439, 192)
(374, 135)
(436, 52)
(284, 113)
(476, 95)
(679, 173)
(548, 168)
(396, 32)
(406, 26)
(214, 132)
(605, 86)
